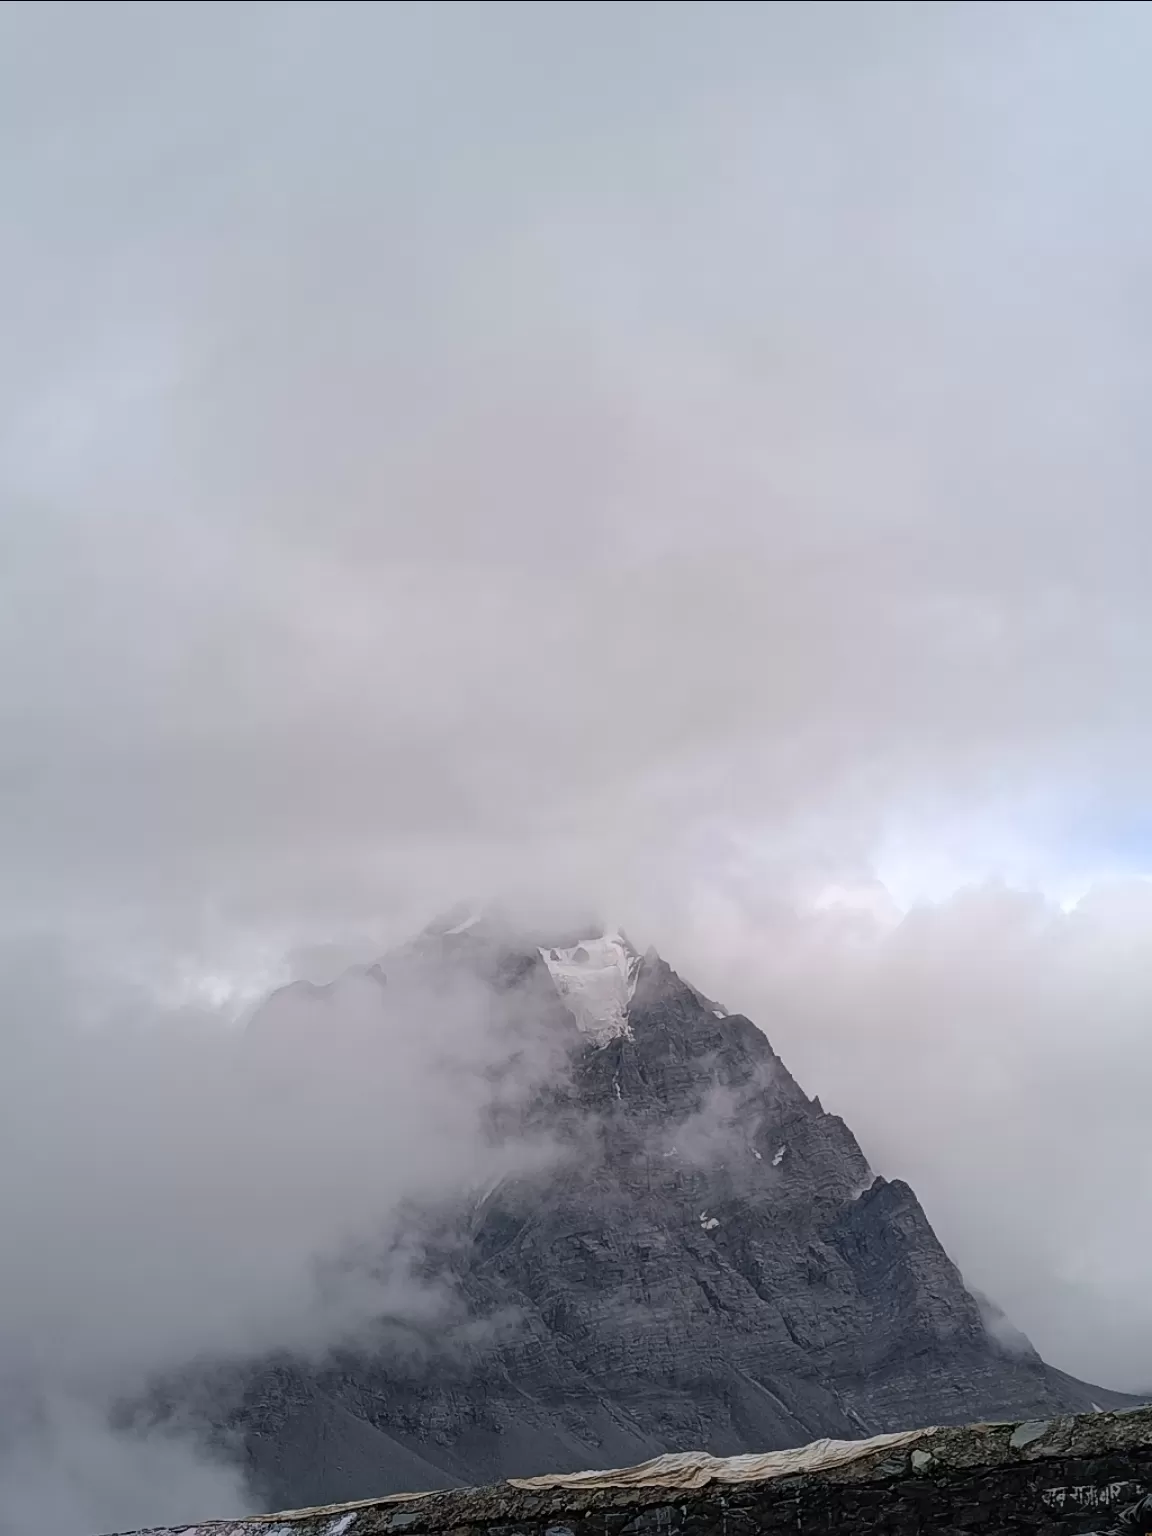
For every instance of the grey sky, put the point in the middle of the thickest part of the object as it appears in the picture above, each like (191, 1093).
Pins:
(688, 457)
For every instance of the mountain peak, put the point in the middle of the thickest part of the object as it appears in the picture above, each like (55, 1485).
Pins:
(704, 1259)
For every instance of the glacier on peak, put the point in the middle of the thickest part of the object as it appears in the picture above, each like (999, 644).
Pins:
(596, 980)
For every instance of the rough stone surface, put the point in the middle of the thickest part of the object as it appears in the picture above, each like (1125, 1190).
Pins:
(715, 1267)
(1083, 1475)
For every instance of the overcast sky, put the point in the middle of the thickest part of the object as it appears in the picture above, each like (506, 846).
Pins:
(688, 457)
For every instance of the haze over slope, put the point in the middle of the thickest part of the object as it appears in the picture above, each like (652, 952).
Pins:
(704, 1260)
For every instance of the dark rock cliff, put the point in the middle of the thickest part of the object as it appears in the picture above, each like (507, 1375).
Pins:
(713, 1266)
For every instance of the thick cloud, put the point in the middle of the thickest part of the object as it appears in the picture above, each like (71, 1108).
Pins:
(177, 1190)
(686, 459)
(429, 430)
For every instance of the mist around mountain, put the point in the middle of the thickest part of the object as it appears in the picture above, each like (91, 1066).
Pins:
(683, 1250)
(499, 1202)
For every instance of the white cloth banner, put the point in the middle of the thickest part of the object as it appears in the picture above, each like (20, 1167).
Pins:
(696, 1469)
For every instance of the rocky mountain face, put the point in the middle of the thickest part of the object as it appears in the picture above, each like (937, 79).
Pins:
(708, 1263)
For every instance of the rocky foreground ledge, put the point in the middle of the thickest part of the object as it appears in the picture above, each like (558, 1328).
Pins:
(1091, 1473)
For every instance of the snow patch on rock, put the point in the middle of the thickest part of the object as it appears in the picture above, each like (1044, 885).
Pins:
(596, 980)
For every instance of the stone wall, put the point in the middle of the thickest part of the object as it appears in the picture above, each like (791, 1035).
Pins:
(1060, 1477)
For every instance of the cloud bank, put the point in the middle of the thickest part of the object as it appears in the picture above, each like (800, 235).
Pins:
(179, 1190)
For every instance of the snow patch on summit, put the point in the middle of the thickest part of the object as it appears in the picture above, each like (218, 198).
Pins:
(596, 980)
